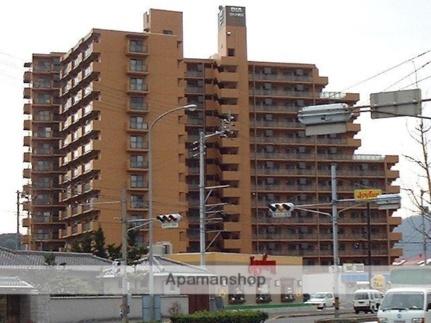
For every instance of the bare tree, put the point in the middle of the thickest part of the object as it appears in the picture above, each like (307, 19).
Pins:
(420, 196)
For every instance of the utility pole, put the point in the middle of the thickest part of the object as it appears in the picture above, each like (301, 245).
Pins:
(424, 236)
(18, 238)
(369, 242)
(223, 132)
(124, 243)
(335, 234)
(202, 208)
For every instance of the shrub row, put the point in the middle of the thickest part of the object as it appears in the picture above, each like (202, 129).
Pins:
(221, 317)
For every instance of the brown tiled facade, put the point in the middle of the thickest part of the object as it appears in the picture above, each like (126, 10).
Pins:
(89, 112)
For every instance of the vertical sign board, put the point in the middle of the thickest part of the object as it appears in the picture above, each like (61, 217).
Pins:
(232, 16)
(396, 104)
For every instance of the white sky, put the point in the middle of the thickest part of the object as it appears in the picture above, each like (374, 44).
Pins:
(348, 41)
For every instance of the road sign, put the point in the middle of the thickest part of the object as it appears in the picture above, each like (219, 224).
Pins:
(325, 119)
(396, 104)
(170, 225)
(366, 194)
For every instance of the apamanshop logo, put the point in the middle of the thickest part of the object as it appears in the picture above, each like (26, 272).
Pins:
(215, 280)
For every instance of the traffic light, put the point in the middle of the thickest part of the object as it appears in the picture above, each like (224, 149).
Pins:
(281, 209)
(167, 218)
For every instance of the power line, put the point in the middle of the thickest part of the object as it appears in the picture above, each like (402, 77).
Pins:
(408, 75)
(386, 70)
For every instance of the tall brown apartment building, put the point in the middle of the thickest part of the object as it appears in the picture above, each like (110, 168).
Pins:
(88, 115)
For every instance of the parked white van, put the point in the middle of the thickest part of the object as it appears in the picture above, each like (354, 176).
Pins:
(406, 305)
(367, 300)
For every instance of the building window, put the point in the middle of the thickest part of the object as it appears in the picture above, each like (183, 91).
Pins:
(137, 84)
(168, 32)
(137, 201)
(43, 116)
(42, 83)
(137, 181)
(137, 102)
(136, 65)
(43, 98)
(137, 161)
(137, 142)
(43, 165)
(230, 52)
(136, 46)
(137, 123)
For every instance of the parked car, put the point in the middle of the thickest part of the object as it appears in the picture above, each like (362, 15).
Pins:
(406, 304)
(367, 300)
(322, 300)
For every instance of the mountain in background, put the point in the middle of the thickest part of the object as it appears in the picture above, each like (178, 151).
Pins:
(8, 240)
(412, 240)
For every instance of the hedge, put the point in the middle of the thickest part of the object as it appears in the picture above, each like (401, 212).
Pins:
(221, 317)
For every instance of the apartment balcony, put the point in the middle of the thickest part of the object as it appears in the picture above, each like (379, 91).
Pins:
(27, 124)
(233, 243)
(27, 93)
(353, 127)
(26, 206)
(284, 188)
(138, 70)
(27, 108)
(392, 174)
(263, 220)
(26, 157)
(394, 220)
(226, 93)
(27, 77)
(231, 192)
(395, 236)
(278, 124)
(283, 172)
(232, 226)
(229, 108)
(232, 209)
(392, 189)
(26, 222)
(230, 159)
(25, 239)
(279, 77)
(26, 173)
(137, 109)
(138, 89)
(285, 236)
(284, 156)
(51, 236)
(227, 61)
(26, 189)
(226, 76)
(230, 142)
(231, 175)
(274, 140)
(194, 74)
(49, 220)
(395, 252)
(392, 159)
(274, 109)
(281, 93)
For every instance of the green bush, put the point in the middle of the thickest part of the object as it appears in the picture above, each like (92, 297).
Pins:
(221, 317)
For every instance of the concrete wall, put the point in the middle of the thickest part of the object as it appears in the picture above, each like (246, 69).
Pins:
(95, 308)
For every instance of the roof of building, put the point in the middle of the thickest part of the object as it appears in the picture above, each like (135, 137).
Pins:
(162, 265)
(10, 257)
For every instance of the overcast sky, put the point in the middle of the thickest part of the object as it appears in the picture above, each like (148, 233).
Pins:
(349, 41)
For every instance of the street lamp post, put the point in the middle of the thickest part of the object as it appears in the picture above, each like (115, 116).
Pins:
(190, 107)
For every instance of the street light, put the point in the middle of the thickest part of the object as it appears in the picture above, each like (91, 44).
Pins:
(189, 107)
